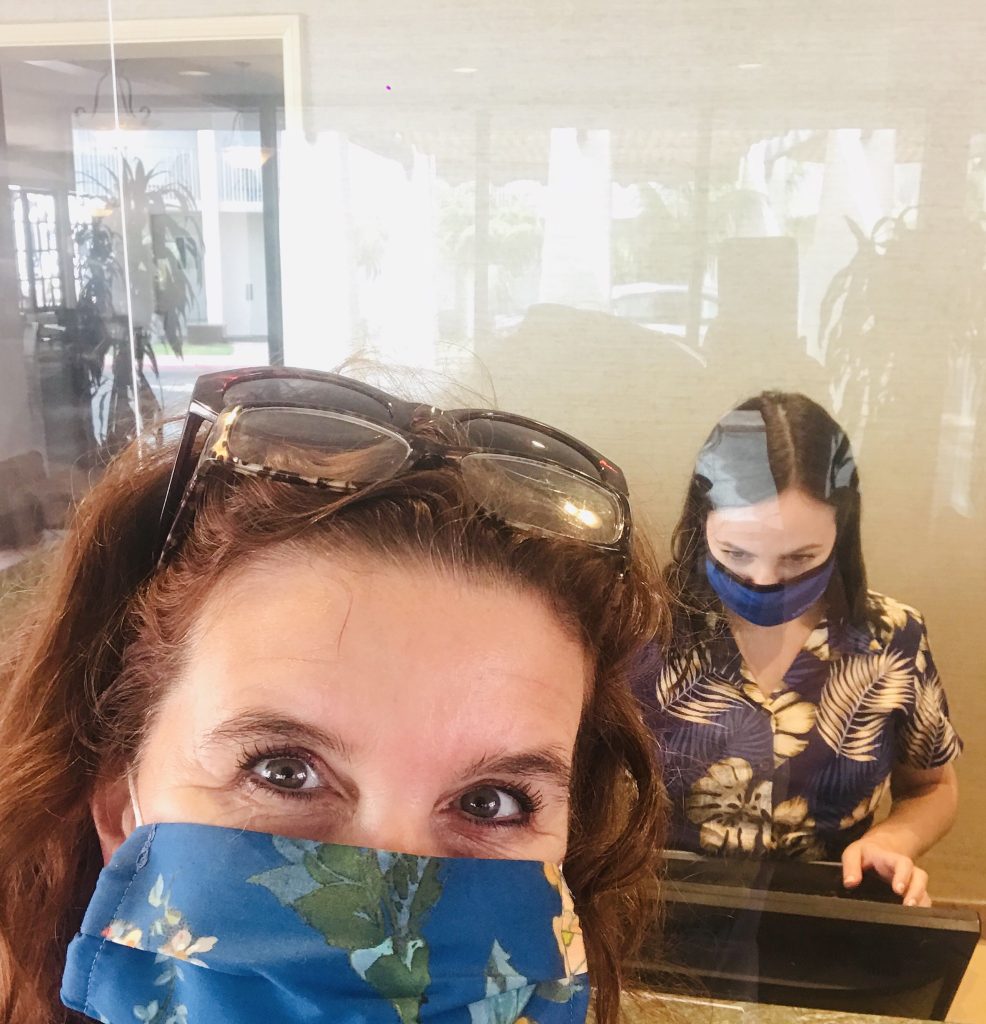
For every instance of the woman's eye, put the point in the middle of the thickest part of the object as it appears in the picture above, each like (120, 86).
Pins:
(737, 556)
(287, 773)
(489, 803)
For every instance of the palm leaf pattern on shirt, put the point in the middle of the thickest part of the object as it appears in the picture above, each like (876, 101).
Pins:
(686, 751)
(791, 719)
(861, 693)
(890, 616)
(689, 689)
(927, 739)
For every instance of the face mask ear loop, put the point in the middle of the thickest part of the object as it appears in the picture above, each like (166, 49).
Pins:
(132, 786)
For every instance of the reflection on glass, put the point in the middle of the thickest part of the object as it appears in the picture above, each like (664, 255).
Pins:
(36, 240)
(624, 232)
(138, 232)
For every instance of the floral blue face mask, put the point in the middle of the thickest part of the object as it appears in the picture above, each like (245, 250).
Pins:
(194, 924)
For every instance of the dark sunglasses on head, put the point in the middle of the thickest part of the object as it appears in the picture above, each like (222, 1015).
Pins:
(326, 430)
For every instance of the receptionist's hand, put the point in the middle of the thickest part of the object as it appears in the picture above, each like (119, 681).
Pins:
(907, 880)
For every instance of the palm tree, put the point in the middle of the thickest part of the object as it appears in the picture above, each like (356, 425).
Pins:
(146, 224)
(514, 244)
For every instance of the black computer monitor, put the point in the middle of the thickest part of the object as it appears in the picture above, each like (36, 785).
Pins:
(787, 933)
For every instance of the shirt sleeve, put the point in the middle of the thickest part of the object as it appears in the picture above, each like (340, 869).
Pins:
(927, 738)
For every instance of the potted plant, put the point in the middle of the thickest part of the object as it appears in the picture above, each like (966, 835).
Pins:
(163, 250)
(904, 322)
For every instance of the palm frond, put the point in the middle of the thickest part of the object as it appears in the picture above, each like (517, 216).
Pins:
(928, 738)
(836, 789)
(742, 731)
(688, 689)
(861, 693)
(685, 754)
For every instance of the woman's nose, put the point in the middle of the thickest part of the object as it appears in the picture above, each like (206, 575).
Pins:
(763, 575)
(401, 827)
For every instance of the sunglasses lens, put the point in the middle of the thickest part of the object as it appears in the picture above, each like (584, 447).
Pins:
(536, 496)
(329, 448)
(524, 440)
(308, 394)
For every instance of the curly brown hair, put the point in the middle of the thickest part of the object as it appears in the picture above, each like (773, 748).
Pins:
(107, 634)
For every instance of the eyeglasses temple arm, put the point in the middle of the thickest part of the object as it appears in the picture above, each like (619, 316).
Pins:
(180, 475)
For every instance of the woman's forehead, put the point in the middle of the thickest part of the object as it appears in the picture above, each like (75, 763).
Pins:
(791, 515)
(374, 645)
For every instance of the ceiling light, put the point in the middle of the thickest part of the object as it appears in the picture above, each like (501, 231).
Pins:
(752, 66)
(195, 73)
(465, 71)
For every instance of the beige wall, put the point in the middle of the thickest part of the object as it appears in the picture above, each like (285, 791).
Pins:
(686, 91)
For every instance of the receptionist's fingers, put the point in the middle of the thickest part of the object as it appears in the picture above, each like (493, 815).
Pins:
(867, 855)
(917, 891)
(852, 865)
(895, 868)
(904, 872)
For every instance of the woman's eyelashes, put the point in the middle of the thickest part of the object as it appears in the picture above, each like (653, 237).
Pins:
(283, 773)
(497, 805)
(736, 556)
(744, 557)
(289, 774)
(801, 557)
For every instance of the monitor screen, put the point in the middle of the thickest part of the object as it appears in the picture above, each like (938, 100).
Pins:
(787, 933)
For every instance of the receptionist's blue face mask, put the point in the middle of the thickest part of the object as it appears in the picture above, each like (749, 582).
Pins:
(734, 470)
(771, 604)
(195, 924)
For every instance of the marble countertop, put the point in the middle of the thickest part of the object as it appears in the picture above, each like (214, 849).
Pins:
(652, 1008)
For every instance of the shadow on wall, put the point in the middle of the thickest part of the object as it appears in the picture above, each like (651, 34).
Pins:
(644, 398)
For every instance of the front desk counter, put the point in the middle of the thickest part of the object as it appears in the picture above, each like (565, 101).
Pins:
(752, 942)
(647, 1008)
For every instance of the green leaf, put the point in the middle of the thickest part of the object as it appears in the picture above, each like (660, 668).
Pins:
(558, 992)
(344, 919)
(343, 865)
(403, 981)
(409, 1010)
(346, 908)
(399, 877)
(398, 976)
(426, 895)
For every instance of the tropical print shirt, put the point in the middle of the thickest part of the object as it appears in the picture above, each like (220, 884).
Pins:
(798, 774)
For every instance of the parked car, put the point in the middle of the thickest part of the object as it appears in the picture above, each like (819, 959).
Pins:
(661, 307)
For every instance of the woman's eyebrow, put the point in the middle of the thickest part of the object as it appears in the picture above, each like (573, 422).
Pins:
(724, 544)
(253, 725)
(549, 764)
(805, 549)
